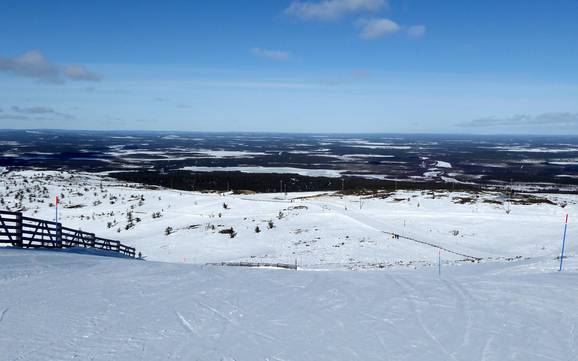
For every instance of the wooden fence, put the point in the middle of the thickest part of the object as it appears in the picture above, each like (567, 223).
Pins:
(28, 232)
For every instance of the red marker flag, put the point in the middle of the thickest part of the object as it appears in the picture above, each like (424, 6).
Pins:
(57, 201)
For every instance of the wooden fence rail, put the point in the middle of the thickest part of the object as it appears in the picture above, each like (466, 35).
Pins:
(29, 232)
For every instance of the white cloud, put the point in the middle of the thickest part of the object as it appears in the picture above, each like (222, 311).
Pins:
(376, 28)
(80, 72)
(416, 31)
(332, 9)
(33, 64)
(35, 113)
(277, 55)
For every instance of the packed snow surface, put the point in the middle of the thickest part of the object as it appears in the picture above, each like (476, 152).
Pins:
(62, 306)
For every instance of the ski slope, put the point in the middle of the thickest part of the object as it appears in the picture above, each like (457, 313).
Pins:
(62, 306)
(316, 230)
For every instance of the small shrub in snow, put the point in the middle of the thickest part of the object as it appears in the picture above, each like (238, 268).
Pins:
(130, 221)
(257, 229)
(169, 231)
(270, 224)
(230, 231)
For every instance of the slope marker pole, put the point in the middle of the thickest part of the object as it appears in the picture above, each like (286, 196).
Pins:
(439, 262)
(58, 238)
(563, 244)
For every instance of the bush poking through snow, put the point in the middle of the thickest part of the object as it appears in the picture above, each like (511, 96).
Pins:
(270, 224)
(230, 231)
(257, 229)
(169, 231)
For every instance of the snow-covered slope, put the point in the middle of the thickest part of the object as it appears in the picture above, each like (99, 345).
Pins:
(61, 306)
(317, 231)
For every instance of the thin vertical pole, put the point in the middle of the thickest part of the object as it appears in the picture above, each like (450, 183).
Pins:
(19, 242)
(58, 230)
(439, 262)
(563, 244)
(57, 225)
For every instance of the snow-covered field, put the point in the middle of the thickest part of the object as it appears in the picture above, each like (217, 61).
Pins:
(316, 230)
(60, 306)
(512, 305)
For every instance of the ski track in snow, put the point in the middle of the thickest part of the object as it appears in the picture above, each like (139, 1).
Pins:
(3, 313)
(408, 290)
(186, 324)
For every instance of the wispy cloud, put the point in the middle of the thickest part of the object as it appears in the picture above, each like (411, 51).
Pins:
(380, 27)
(277, 55)
(80, 72)
(416, 31)
(376, 28)
(523, 120)
(327, 10)
(35, 113)
(33, 64)
(33, 110)
(356, 75)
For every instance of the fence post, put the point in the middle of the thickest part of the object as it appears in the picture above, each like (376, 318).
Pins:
(59, 235)
(91, 239)
(18, 235)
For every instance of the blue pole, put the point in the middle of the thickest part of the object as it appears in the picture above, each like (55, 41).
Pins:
(563, 245)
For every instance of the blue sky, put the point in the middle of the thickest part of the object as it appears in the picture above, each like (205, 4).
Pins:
(294, 66)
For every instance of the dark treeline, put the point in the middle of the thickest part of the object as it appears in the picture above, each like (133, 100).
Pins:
(237, 181)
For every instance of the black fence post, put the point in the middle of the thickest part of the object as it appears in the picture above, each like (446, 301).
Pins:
(18, 235)
(59, 235)
(91, 239)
